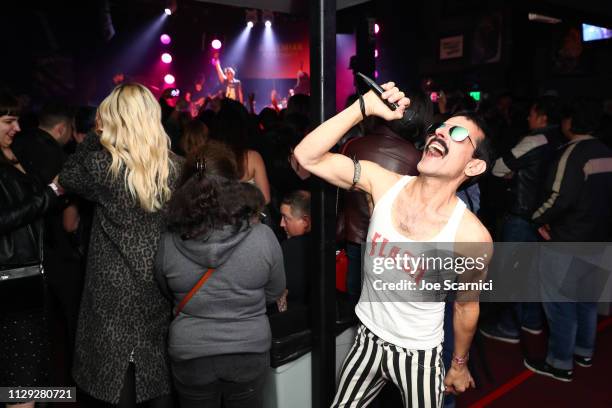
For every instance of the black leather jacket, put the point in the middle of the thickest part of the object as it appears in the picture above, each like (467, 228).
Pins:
(23, 202)
(578, 200)
(529, 161)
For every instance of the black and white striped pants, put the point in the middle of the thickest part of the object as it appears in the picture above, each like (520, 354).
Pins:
(372, 362)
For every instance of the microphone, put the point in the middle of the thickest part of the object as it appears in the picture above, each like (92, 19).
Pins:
(409, 114)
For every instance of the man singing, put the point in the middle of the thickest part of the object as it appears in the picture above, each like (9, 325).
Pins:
(400, 340)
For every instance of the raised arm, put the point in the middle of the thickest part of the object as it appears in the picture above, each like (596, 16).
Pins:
(220, 73)
(313, 152)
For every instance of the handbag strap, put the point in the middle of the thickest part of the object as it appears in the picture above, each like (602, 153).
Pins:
(193, 291)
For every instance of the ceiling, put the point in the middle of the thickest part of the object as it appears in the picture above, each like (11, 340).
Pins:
(282, 6)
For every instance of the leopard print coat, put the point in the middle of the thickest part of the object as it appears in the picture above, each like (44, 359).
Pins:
(123, 314)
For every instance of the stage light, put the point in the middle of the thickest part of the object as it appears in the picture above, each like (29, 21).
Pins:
(169, 79)
(376, 28)
(170, 7)
(375, 74)
(165, 39)
(166, 58)
(216, 44)
(251, 16)
(268, 17)
(376, 53)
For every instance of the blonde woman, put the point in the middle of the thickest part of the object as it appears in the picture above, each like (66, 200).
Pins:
(129, 172)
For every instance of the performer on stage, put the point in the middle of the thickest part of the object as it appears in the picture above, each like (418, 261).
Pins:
(196, 97)
(227, 76)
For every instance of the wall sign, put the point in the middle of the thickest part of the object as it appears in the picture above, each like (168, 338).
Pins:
(451, 47)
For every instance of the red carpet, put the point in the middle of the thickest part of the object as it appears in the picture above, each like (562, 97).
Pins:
(515, 386)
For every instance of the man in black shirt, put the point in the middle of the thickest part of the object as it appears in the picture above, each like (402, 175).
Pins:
(295, 220)
(41, 152)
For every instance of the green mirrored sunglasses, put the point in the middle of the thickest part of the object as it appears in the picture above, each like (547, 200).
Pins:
(457, 133)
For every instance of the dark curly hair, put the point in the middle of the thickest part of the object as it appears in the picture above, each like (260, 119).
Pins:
(210, 196)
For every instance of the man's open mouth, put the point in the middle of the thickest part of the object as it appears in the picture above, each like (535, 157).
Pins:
(436, 148)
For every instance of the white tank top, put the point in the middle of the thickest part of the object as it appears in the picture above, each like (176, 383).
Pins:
(389, 314)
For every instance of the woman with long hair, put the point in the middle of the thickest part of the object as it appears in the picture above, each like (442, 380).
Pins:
(231, 126)
(129, 172)
(24, 349)
(195, 134)
(220, 339)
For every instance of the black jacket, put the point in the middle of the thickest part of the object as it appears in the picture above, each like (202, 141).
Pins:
(43, 157)
(40, 154)
(529, 160)
(578, 201)
(296, 254)
(23, 202)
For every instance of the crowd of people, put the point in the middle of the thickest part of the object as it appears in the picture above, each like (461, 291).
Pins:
(158, 237)
(116, 215)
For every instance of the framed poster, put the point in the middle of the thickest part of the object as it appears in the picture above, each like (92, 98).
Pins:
(487, 39)
(451, 47)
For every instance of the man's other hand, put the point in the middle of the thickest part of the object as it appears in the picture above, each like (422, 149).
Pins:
(457, 380)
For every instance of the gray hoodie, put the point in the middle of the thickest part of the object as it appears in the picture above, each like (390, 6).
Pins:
(228, 314)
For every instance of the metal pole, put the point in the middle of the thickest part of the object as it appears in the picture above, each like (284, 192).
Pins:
(323, 299)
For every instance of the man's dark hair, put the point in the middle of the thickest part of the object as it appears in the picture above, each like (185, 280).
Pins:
(299, 202)
(85, 119)
(549, 106)
(268, 117)
(586, 115)
(299, 103)
(9, 105)
(484, 148)
(53, 113)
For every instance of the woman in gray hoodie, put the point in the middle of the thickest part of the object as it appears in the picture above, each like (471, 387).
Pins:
(219, 342)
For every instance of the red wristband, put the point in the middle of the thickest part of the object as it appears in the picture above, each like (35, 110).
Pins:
(461, 360)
